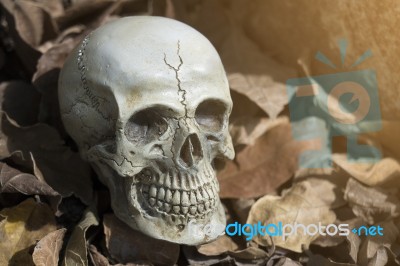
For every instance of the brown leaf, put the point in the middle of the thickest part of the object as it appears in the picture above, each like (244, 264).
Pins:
(371, 204)
(33, 22)
(246, 130)
(127, 245)
(386, 172)
(15, 181)
(47, 250)
(21, 227)
(76, 250)
(263, 167)
(41, 149)
(306, 202)
(222, 245)
(373, 249)
(250, 253)
(97, 258)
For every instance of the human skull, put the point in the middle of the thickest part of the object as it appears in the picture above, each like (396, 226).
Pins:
(147, 101)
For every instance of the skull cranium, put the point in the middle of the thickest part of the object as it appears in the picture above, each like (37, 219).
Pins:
(147, 101)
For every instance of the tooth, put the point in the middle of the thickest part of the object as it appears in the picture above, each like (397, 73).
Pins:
(186, 181)
(159, 204)
(199, 196)
(209, 192)
(207, 205)
(185, 199)
(175, 181)
(205, 194)
(161, 194)
(200, 208)
(153, 191)
(168, 195)
(185, 209)
(161, 180)
(167, 207)
(193, 199)
(167, 181)
(177, 209)
(152, 201)
(193, 210)
(176, 200)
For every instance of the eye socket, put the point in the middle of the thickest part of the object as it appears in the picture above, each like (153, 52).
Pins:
(145, 126)
(210, 115)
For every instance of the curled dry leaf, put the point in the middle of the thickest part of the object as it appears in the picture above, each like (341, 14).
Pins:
(76, 250)
(375, 249)
(32, 20)
(222, 245)
(20, 228)
(15, 181)
(246, 130)
(129, 246)
(263, 167)
(306, 202)
(47, 250)
(371, 204)
(385, 172)
(41, 149)
(250, 253)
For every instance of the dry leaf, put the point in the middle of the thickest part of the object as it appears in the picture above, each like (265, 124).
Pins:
(47, 250)
(371, 204)
(14, 181)
(130, 246)
(263, 167)
(41, 149)
(373, 249)
(33, 22)
(97, 258)
(246, 130)
(250, 253)
(222, 245)
(306, 202)
(386, 172)
(76, 250)
(20, 228)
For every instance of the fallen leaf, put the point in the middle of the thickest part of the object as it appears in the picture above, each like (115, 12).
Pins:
(20, 228)
(97, 258)
(373, 249)
(47, 250)
(15, 181)
(131, 246)
(76, 250)
(222, 245)
(264, 166)
(246, 130)
(385, 172)
(40, 149)
(250, 253)
(33, 22)
(371, 204)
(306, 202)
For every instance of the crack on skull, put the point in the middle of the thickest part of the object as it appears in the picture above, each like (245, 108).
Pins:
(94, 99)
(176, 70)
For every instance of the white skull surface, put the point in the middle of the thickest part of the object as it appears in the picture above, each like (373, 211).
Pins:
(147, 101)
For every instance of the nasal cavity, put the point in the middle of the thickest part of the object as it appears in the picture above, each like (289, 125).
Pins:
(191, 152)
